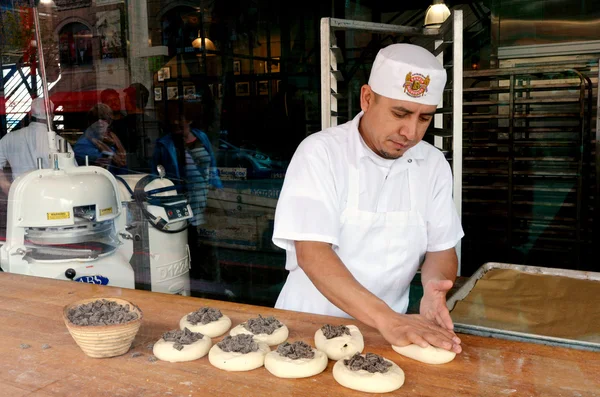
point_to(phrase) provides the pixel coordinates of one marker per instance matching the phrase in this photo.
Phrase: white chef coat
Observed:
(315, 200)
(21, 148)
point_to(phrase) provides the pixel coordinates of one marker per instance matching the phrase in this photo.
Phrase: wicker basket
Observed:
(101, 341)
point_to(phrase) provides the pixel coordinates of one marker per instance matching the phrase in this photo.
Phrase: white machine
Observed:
(80, 223)
(61, 223)
(154, 225)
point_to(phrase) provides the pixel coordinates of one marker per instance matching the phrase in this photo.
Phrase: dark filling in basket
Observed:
(182, 337)
(296, 350)
(332, 331)
(101, 312)
(370, 362)
(243, 343)
(262, 325)
(204, 315)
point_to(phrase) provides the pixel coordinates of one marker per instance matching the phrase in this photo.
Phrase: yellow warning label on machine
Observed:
(106, 211)
(52, 216)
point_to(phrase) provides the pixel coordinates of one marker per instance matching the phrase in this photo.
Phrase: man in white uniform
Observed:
(21, 148)
(364, 204)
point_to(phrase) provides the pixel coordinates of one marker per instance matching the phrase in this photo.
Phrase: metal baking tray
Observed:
(463, 291)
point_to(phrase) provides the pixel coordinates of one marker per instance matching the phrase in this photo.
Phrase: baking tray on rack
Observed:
(479, 330)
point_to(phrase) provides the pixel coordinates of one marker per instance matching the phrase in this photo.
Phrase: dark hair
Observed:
(137, 94)
(107, 93)
(100, 111)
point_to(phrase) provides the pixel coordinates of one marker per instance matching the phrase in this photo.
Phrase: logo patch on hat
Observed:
(415, 84)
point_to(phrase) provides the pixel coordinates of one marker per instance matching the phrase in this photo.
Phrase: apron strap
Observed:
(353, 187)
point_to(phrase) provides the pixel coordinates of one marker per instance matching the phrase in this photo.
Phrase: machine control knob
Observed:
(70, 274)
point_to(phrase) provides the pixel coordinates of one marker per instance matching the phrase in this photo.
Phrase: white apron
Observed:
(382, 251)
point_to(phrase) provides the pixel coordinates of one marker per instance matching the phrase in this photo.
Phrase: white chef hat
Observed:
(409, 73)
(37, 108)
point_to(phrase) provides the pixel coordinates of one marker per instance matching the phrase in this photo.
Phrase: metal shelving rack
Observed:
(528, 172)
(445, 42)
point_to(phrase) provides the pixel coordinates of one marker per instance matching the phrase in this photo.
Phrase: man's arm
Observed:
(331, 277)
(5, 182)
(120, 157)
(441, 265)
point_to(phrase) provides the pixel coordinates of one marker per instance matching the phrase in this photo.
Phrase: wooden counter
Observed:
(31, 313)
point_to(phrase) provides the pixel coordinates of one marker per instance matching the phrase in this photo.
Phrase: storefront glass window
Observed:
(221, 93)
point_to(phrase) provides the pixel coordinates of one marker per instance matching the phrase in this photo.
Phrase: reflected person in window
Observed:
(102, 147)
(139, 130)
(187, 156)
(21, 148)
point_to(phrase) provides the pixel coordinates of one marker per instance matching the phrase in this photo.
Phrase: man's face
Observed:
(390, 127)
(114, 102)
(180, 126)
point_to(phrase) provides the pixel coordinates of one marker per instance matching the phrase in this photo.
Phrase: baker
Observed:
(364, 204)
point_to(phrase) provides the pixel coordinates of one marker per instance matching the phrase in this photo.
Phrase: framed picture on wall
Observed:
(275, 66)
(189, 92)
(263, 88)
(237, 67)
(242, 89)
(172, 93)
(164, 73)
(158, 94)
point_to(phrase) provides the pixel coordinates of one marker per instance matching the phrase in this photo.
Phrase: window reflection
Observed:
(251, 94)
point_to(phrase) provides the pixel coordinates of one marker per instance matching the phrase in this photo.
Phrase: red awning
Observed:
(75, 101)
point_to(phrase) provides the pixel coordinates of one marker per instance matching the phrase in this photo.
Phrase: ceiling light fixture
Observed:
(436, 14)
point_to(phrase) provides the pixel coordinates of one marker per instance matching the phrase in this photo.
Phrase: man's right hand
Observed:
(404, 329)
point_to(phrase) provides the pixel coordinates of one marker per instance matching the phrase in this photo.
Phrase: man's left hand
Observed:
(433, 303)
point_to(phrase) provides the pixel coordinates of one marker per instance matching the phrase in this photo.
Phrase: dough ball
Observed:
(340, 346)
(232, 361)
(278, 336)
(165, 351)
(285, 367)
(365, 381)
(427, 355)
(212, 329)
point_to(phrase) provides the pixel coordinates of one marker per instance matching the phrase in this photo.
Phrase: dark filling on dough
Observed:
(332, 331)
(243, 343)
(296, 350)
(101, 312)
(204, 315)
(182, 337)
(370, 362)
(262, 325)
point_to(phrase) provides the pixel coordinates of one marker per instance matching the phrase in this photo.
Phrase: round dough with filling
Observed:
(212, 329)
(427, 355)
(278, 336)
(233, 361)
(340, 346)
(165, 351)
(365, 381)
(285, 367)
